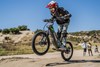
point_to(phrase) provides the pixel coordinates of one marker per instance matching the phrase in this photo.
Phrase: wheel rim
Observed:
(41, 43)
(68, 51)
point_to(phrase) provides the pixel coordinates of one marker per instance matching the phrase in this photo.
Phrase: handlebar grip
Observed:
(46, 20)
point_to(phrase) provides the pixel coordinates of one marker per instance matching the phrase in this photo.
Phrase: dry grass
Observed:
(19, 49)
(26, 48)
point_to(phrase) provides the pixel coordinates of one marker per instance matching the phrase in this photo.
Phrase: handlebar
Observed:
(48, 20)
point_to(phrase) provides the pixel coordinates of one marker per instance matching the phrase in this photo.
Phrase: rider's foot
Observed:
(62, 47)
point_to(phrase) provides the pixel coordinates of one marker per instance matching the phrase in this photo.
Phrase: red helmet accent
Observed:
(52, 4)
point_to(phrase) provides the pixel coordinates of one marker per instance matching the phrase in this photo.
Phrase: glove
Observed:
(48, 20)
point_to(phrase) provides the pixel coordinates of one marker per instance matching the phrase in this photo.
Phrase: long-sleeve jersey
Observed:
(59, 15)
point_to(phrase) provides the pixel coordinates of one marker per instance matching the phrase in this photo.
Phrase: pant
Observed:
(62, 31)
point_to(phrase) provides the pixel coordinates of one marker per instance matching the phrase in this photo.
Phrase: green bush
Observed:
(6, 31)
(14, 30)
(38, 30)
(0, 30)
(91, 33)
(22, 28)
(28, 29)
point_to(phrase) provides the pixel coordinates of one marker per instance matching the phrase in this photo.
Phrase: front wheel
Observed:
(67, 54)
(40, 43)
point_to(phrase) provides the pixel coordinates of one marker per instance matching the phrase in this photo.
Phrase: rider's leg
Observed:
(64, 33)
(60, 27)
(63, 36)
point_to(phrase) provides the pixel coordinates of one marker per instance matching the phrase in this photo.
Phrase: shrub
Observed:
(6, 31)
(28, 29)
(23, 27)
(0, 30)
(38, 30)
(14, 30)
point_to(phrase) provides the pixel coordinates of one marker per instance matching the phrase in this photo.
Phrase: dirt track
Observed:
(51, 60)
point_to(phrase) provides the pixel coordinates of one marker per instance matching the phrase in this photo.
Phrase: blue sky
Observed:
(85, 14)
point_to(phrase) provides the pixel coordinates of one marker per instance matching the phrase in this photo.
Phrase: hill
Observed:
(93, 36)
(16, 43)
(23, 37)
(11, 44)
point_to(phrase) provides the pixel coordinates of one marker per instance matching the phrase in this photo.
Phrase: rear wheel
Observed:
(67, 54)
(40, 43)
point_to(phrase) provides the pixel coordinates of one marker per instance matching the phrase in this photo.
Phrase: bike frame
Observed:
(53, 35)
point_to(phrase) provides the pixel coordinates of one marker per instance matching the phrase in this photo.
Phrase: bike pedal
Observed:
(62, 49)
(57, 49)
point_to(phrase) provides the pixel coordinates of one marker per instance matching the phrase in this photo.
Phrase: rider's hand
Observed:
(48, 20)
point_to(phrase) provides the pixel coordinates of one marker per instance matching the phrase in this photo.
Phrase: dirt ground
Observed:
(50, 60)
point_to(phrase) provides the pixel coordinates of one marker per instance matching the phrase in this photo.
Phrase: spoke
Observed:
(41, 43)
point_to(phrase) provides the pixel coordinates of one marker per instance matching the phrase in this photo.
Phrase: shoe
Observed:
(62, 48)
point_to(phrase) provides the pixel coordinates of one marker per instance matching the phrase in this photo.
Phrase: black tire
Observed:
(63, 52)
(34, 45)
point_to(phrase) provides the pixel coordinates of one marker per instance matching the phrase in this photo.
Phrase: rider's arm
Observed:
(67, 15)
(52, 18)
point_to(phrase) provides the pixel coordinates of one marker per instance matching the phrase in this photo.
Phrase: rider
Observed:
(62, 18)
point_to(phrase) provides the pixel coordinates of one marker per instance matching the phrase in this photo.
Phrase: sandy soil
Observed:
(50, 60)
